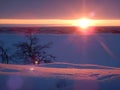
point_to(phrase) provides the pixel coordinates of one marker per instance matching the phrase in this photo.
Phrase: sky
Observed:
(59, 9)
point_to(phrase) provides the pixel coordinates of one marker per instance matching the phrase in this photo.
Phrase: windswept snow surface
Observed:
(101, 49)
(84, 62)
(51, 77)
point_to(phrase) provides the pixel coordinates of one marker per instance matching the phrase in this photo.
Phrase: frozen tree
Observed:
(4, 53)
(30, 51)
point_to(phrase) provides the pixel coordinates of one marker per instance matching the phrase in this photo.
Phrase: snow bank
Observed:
(29, 77)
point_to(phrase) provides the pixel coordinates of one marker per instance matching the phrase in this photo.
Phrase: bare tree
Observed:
(3, 54)
(31, 51)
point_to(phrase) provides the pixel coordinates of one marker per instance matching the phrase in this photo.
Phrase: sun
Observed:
(83, 23)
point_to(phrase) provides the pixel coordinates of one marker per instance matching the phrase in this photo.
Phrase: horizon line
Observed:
(52, 22)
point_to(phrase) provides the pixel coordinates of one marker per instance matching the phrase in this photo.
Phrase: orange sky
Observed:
(58, 22)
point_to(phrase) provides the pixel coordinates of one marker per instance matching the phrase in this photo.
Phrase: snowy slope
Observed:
(101, 49)
(77, 66)
(83, 63)
(28, 77)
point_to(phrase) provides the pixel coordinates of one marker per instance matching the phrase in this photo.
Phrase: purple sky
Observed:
(59, 9)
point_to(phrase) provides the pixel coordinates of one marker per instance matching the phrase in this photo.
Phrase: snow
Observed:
(79, 66)
(83, 63)
(100, 49)
(51, 77)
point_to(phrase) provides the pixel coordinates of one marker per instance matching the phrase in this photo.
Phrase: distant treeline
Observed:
(58, 30)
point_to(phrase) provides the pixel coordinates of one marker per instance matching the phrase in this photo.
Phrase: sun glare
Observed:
(83, 23)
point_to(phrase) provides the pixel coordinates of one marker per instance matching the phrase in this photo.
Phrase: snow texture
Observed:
(30, 77)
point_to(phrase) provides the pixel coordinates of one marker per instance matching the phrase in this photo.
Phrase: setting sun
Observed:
(84, 23)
